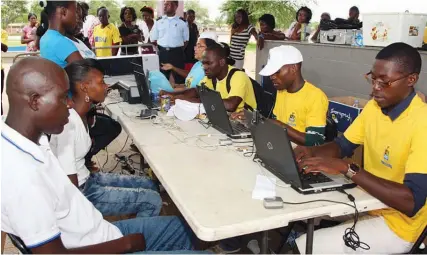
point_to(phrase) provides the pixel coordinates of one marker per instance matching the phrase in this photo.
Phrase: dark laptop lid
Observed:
(143, 89)
(275, 150)
(215, 109)
(120, 66)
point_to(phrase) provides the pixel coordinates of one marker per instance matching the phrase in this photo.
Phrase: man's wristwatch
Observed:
(352, 170)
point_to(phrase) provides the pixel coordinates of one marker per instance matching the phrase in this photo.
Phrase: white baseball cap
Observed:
(280, 56)
(209, 35)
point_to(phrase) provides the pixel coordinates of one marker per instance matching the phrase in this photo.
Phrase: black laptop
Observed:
(217, 114)
(275, 151)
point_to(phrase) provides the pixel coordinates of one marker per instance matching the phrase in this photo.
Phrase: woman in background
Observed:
(240, 34)
(28, 36)
(303, 17)
(267, 24)
(129, 31)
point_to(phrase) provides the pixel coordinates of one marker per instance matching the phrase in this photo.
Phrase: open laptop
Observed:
(142, 84)
(217, 114)
(274, 149)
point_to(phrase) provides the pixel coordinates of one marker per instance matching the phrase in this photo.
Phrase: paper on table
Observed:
(265, 187)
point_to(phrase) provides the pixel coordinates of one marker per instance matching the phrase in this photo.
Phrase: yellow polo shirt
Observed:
(305, 108)
(241, 86)
(104, 37)
(4, 40)
(395, 150)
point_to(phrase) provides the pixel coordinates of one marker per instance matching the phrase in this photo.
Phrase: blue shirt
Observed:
(56, 47)
(170, 32)
(195, 76)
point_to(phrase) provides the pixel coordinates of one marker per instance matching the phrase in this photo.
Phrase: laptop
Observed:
(218, 117)
(144, 92)
(274, 149)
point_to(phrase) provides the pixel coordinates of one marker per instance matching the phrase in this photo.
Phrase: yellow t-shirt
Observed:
(425, 35)
(306, 108)
(4, 40)
(104, 37)
(241, 86)
(394, 149)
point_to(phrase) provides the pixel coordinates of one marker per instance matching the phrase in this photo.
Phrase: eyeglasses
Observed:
(381, 84)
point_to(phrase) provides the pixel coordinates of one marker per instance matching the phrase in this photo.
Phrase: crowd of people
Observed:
(57, 198)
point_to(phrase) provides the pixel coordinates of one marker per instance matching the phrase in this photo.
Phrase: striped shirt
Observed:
(239, 41)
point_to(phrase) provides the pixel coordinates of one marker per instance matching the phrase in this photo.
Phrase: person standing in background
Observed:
(4, 48)
(28, 36)
(129, 31)
(171, 35)
(353, 15)
(267, 24)
(324, 17)
(303, 17)
(147, 22)
(194, 35)
(240, 34)
(106, 34)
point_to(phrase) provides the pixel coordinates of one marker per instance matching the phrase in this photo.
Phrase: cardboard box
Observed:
(343, 112)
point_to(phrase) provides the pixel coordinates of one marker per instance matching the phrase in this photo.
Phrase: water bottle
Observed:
(303, 32)
(356, 103)
(359, 39)
(253, 246)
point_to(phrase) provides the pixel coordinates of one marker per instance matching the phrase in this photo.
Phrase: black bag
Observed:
(261, 96)
(331, 129)
(339, 23)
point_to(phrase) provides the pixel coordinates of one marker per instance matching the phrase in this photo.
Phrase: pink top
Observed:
(30, 33)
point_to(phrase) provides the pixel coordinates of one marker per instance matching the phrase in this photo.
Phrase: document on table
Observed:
(265, 187)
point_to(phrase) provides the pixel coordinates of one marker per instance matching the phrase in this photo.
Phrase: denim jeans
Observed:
(115, 194)
(163, 234)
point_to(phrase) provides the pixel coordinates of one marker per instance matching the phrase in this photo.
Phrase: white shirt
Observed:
(88, 24)
(145, 31)
(85, 52)
(170, 32)
(71, 147)
(292, 28)
(38, 201)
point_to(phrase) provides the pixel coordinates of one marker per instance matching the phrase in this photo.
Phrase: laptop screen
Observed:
(143, 88)
(274, 149)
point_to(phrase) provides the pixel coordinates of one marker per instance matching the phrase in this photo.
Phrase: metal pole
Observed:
(309, 240)
(264, 242)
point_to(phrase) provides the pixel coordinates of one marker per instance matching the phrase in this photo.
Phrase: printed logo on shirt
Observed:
(292, 120)
(188, 82)
(386, 158)
(100, 39)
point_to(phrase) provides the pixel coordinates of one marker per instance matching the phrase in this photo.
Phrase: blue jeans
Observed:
(115, 194)
(163, 234)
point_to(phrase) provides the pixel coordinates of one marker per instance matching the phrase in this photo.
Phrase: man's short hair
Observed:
(354, 8)
(191, 11)
(403, 54)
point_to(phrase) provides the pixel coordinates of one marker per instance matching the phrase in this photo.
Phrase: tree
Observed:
(112, 6)
(284, 11)
(202, 13)
(36, 9)
(220, 21)
(12, 11)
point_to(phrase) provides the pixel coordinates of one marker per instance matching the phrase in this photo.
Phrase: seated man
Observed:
(300, 106)
(392, 127)
(217, 69)
(42, 206)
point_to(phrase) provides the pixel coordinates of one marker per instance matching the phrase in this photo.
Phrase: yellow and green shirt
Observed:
(241, 86)
(4, 40)
(305, 111)
(395, 145)
(104, 37)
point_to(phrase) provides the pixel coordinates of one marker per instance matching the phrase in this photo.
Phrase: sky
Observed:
(339, 8)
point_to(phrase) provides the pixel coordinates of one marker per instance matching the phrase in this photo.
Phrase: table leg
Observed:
(309, 240)
(264, 242)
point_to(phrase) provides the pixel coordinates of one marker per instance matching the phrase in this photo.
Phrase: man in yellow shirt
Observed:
(300, 107)
(4, 48)
(106, 34)
(217, 70)
(392, 127)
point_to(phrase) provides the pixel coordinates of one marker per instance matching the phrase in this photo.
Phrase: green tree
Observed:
(220, 21)
(283, 10)
(35, 8)
(13, 11)
(202, 13)
(112, 6)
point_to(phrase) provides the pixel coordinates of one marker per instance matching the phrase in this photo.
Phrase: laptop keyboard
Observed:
(238, 127)
(311, 178)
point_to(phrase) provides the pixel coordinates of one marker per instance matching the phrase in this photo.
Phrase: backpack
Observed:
(261, 96)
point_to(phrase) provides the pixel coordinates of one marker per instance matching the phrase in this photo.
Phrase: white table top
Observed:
(212, 187)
